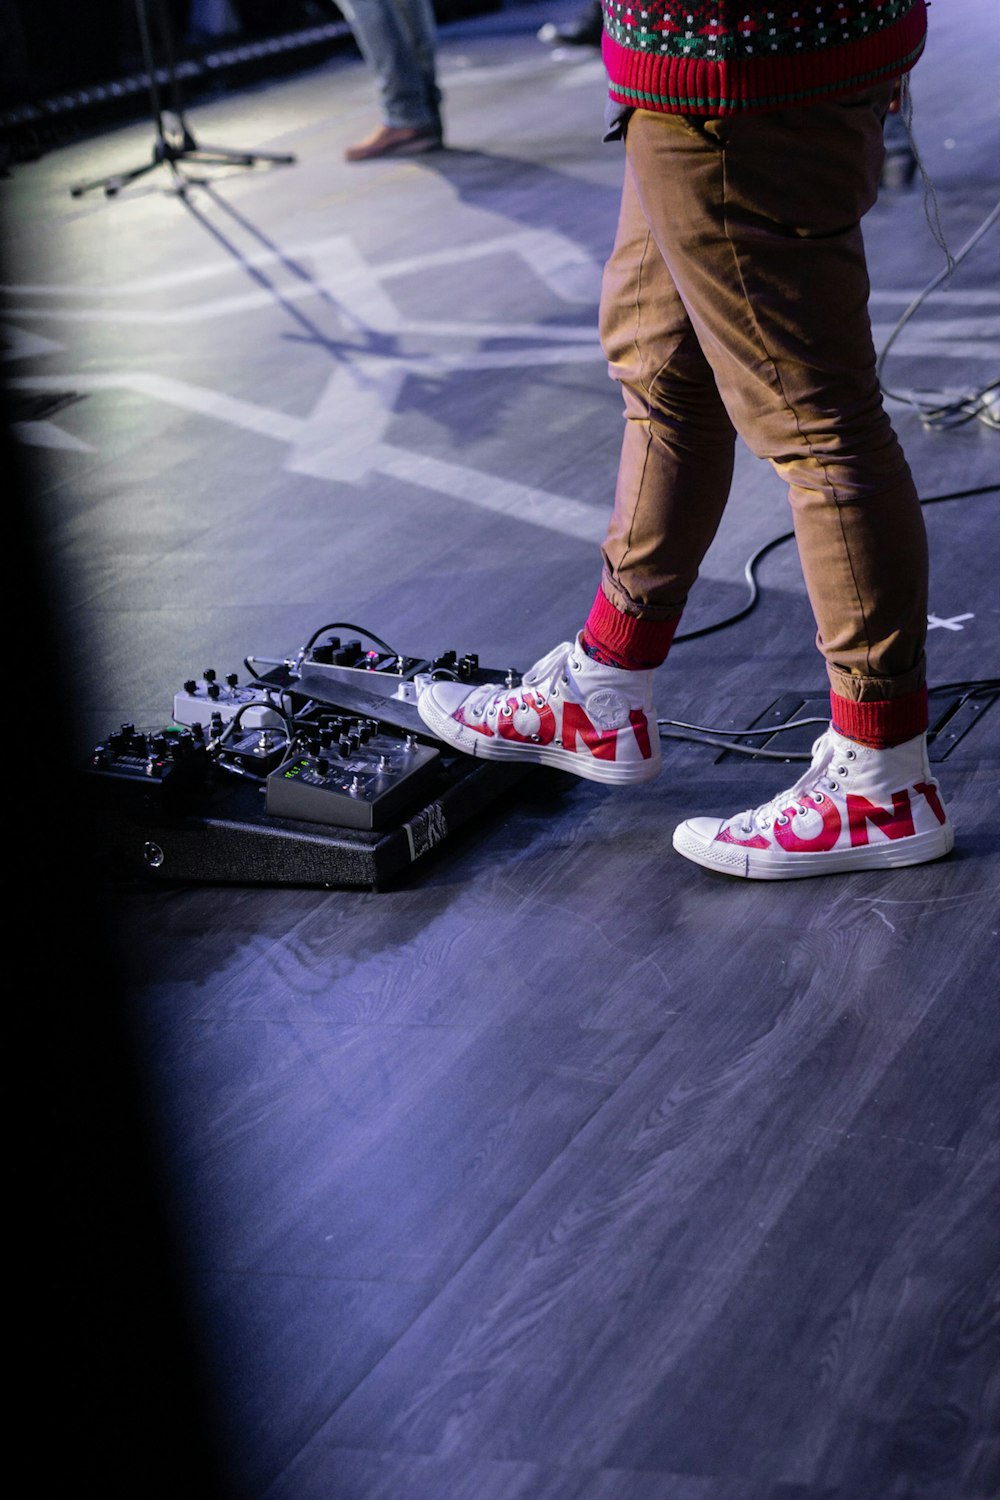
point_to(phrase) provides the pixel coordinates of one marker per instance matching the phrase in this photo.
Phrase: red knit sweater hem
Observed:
(699, 86)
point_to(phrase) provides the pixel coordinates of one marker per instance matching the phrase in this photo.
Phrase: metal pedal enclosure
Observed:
(367, 788)
(205, 696)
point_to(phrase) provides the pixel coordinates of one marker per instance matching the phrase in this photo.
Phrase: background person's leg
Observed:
(396, 39)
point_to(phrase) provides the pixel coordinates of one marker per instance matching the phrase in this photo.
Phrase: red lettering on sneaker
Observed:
(481, 728)
(821, 842)
(897, 824)
(640, 727)
(600, 744)
(930, 793)
(546, 732)
(728, 837)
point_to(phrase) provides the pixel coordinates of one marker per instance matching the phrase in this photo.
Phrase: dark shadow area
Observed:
(106, 1327)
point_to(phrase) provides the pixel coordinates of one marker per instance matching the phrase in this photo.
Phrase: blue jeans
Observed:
(396, 38)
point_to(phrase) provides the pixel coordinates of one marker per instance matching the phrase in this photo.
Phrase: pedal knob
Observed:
(214, 691)
(232, 680)
(209, 674)
(190, 687)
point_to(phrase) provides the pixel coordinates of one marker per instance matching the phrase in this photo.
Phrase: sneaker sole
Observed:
(752, 864)
(444, 728)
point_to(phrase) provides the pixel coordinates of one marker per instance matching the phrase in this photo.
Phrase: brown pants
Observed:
(736, 300)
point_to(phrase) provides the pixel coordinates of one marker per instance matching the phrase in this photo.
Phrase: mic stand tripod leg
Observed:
(165, 150)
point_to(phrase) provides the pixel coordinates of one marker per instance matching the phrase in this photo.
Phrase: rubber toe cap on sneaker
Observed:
(696, 840)
(445, 696)
(705, 830)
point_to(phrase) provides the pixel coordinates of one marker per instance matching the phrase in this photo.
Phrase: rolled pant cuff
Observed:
(882, 723)
(628, 641)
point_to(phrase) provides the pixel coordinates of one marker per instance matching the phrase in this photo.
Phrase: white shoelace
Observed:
(544, 680)
(816, 781)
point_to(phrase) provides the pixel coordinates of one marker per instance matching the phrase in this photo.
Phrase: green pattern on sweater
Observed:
(723, 30)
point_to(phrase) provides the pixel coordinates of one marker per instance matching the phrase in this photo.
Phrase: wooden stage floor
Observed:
(563, 1170)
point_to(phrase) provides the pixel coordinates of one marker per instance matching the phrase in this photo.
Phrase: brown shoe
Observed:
(396, 140)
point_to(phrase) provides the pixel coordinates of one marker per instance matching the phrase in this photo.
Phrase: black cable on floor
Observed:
(750, 567)
(964, 408)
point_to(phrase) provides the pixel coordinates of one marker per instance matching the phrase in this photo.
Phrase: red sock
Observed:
(627, 641)
(882, 724)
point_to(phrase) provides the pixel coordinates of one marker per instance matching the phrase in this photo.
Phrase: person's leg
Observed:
(396, 39)
(416, 20)
(757, 219)
(676, 461)
(777, 298)
(587, 706)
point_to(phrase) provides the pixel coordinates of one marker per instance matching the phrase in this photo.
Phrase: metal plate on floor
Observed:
(952, 715)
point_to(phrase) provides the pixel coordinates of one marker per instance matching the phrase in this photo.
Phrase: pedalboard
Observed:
(316, 771)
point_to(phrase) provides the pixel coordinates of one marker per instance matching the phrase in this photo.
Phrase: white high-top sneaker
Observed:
(569, 711)
(854, 809)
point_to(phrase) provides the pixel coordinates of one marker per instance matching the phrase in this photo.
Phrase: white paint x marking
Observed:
(934, 623)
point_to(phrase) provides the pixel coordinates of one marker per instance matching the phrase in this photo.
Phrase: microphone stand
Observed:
(179, 145)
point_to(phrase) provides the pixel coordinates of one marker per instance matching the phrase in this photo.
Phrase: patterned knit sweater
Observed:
(718, 57)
